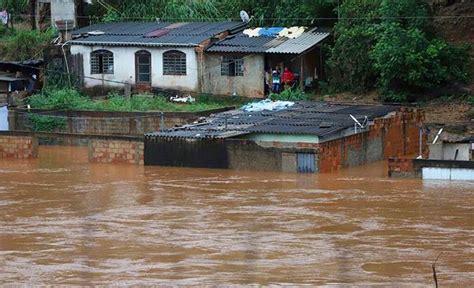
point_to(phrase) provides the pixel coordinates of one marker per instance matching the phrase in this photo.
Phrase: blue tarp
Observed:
(271, 32)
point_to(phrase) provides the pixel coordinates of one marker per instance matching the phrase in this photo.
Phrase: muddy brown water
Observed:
(64, 221)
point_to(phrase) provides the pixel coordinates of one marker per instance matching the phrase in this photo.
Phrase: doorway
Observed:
(143, 68)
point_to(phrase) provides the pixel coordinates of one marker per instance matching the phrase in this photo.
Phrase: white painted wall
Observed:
(448, 173)
(447, 151)
(124, 68)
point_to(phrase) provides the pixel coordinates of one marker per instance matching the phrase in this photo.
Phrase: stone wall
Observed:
(108, 123)
(18, 146)
(117, 151)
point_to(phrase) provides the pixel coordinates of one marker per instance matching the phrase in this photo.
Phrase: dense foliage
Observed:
(15, 6)
(391, 45)
(23, 45)
(280, 12)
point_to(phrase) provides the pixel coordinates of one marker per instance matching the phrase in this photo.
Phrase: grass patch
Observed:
(70, 99)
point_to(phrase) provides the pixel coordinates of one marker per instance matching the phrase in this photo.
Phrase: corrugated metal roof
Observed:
(300, 44)
(313, 118)
(242, 43)
(149, 33)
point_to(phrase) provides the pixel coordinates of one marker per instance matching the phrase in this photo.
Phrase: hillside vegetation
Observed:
(390, 46)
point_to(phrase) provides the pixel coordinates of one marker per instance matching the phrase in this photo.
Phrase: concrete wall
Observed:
(18, 146)
(267, 156)
(249, 155)
(60, 10)
(116, 151)
(447, 151)
(249, 85)
(108, 123)
(124, 68)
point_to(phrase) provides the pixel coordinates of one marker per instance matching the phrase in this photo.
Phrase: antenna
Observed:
(244, 16)
(357, 123)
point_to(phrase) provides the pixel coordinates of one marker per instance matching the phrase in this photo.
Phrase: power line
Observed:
(265, 18)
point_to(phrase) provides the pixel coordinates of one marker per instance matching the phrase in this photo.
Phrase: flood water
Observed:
(64, 221)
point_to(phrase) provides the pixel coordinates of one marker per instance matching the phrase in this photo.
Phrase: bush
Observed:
(24, 45)
(46, 123)
(290, 95)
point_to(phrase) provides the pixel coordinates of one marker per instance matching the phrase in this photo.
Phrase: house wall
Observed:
(124, 68)
(249, 85)
(447, 151)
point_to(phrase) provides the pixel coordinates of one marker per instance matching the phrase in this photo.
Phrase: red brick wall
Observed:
(19, 147)
(116, 151)
(399, 135)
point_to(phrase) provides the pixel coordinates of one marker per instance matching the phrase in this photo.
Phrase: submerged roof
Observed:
(242, 43)
(152, 33)
(309, 118)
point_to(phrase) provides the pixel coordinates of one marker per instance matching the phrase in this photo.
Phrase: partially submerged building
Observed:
(198, 57)
(304, 137)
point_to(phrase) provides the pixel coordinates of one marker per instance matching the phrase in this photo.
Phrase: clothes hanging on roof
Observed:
(252, 32)
(292, 32)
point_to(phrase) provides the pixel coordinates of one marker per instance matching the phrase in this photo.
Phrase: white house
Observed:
(147, 54)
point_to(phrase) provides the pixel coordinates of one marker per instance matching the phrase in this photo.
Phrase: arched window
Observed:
(143, 66)
(174, 63)
(102, 62)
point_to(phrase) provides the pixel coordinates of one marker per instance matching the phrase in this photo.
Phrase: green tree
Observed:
(391, 45)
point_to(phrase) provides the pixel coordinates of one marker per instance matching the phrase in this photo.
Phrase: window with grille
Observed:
(102, 62)
(232, 66)
(174, 63)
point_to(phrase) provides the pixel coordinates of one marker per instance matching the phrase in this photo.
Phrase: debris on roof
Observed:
(268, 105)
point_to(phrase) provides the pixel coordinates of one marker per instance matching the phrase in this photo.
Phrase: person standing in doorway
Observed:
(276, 80)
(288, 78)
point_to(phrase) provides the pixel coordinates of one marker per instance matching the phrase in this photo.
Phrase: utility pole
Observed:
(33, 14)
